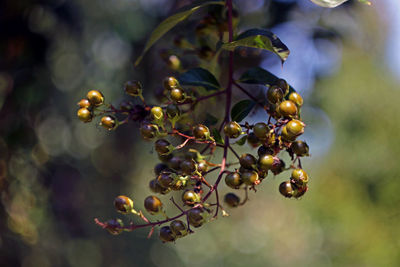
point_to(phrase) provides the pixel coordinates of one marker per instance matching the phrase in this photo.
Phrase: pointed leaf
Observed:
(199, 77)
(217, 137)
(259, 75)
(170, 22)
(260, 38)
(242, 109)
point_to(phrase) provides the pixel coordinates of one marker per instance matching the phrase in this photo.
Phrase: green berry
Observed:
(189, 197)
(281, 83)
(233, 180)
(295, 127)
(108, 122)
(170, 83)
(232, 129)
(178, 228)
(300, 148)
(300, 177)
(296, 98)
(156, 113)
(266, 162)
(286, 189)
(287, 109)
(249, 177)
(274, 94)
(261, 130)
(247, 161)
(177, 95)
(232, 200)
(201, 132)
(123, 204)
(84, 115)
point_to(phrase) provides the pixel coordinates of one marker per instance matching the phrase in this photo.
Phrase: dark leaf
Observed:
(170, 22)
(199, 77)
(217, 137)
(242, 109)
(259, 75)
(262, 39)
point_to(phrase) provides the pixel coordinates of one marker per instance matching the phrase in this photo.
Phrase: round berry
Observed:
(232, 200)
(95, 98)
(156, 113)
(123, 204)
(286, 136)
(249, 177)
(188, 166)
(162, 146)
(157, 188)
(233, 180)
(262, 150)
(287, 109)
(286, 189)
(232, 129)
(159, 168)
(295, 127)
(201, 132)
(165, 179)
(177, 95)
(247, 161)
(300, 177)
(84, 115)
(114, 226)
(278, 167)
(148, 131)
(261, 130)
(296, 98)
(202, 166)
(166, 234)
(274, 94)
(172, 111)
(281, 83)
(175, 162)
(153, 204)
(189, 197)
(266, 162)
(253, 140)
(84, 103)
(170, 83)
(108, 122)
(178, 228)
(133, 88)
(196, 217)
(300, 148)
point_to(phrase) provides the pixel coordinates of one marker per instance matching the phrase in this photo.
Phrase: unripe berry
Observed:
(253, 140)
(189, 197)
(178, 228)
(188, 166)
(232, 200)
(196, 217)
(177, 95)
(266, 162)
(157, 188)
(156, 113)
(261, 130)
(278, 167)
(133, 88)
(201, 132)
(287, 109)
(295, 127)
(170, 83)
(286, 189)
(148, 131)
(165, 179)
(84, 115)
(108, 122)
(84, 103)
(114, 226)
(296, 98)
(153, 204)
(300, 148)
(123, 204)
(247, 161)
(233, 180)
(281, 83)
(232, 129)
(162, 146)
(202, 166)
(95, 98)
(274, 94)
(166, 234)
(286, 136)
(249, 177)
(262, 150)
(172, 111)
(300, 177)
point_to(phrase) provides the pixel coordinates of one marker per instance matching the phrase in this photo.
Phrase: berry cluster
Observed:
(186, 147)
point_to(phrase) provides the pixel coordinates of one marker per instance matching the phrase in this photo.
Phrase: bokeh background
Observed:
(57, 174)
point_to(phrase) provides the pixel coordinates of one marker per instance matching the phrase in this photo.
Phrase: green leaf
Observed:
(259, 75)
(241, 141)
(262, 39)
(217, 137)
(199, 77)
(242, 109)
(170, 22)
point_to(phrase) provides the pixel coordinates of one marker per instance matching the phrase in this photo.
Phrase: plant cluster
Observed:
(186, 147)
